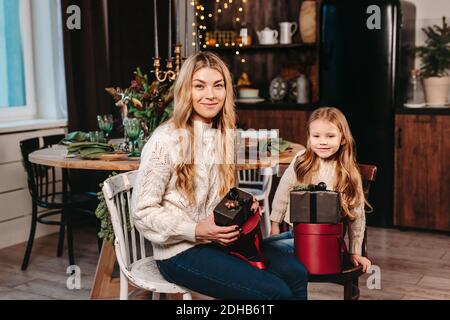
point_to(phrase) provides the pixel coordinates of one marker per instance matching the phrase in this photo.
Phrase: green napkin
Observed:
(274, 146)
(90, 149)
(76, 136)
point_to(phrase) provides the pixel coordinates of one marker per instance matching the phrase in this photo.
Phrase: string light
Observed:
(236, 8)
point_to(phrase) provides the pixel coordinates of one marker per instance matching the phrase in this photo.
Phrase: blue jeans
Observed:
(209, 269)
(283, 242)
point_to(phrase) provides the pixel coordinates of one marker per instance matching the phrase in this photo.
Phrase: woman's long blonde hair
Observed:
(224, 122)
(347, 177)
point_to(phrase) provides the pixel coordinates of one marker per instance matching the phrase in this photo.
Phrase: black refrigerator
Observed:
(365, 58)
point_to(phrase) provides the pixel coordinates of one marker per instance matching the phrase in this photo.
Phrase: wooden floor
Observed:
(414, 265)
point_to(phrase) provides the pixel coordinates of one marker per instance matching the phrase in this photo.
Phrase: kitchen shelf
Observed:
(264, 47)
(269, 105)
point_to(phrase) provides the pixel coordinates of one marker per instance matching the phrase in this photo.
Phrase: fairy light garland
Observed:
(222, 7)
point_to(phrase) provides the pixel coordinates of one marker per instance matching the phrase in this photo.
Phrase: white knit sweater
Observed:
(161, 213)
(326, 173)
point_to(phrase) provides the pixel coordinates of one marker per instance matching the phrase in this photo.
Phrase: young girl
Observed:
(329, 157)
(178, 187)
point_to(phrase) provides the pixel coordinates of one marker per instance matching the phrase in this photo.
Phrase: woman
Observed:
(187, 167)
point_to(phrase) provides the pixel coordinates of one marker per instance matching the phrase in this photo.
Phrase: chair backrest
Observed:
(41, 179)
(51, 140)
(118, 191)
(368, 176)
(257, 177)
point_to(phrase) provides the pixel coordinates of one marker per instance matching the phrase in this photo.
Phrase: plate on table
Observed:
(249, 100)
(414, 105)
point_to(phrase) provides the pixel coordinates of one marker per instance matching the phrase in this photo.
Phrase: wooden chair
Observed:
(350, 275)
(135, 266)
(258, 182)
(42, 185)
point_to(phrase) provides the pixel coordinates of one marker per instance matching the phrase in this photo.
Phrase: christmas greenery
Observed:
(436, 54)
(106, 228)
(152, 102)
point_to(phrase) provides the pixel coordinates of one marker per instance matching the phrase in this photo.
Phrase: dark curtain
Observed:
(87, 70)
(126, 38)
(131, 37)
(116, 36)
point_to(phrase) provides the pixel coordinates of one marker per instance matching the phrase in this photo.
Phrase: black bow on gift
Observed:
(235, 208)
(321, 186)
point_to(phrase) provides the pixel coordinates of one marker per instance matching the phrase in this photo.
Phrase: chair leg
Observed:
(123, 286)
(187, 296)
(67, 217)
(62, 230)
(355, 289)
(26, 258)
(266, 217)
(348, 290)
(156, 296)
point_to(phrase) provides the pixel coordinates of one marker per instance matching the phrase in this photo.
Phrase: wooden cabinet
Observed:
(422, 171)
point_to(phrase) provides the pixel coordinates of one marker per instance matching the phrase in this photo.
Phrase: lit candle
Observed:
(169, 53)
(156, 30)
(177, 22)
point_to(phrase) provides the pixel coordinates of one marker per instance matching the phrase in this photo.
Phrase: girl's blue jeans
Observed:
(209, 269)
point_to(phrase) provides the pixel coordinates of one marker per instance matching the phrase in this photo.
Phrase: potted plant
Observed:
(435, 63)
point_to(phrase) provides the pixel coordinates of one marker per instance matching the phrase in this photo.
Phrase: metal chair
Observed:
(350, 274)
(135, 266)
(42, 185)
(258, 182)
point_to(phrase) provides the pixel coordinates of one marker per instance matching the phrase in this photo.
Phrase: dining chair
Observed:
(258, 182)
(43, 184)
(136, 266)
(349, 277)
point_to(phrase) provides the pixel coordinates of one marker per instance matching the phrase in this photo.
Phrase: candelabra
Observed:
(169, 73)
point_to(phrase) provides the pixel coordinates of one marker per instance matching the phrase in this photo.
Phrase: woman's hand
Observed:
(360, 260)
(208, 230)
(275, 228)
(255, 206)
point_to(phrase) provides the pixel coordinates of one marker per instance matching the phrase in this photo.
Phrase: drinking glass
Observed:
(105, 124)
(133, 130)
(96, 136)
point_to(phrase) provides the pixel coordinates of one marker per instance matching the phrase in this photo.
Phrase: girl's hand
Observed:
(255, 206)
(275, 228)
(360, 260)
(208, 230)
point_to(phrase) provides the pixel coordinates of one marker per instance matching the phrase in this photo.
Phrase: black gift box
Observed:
(234, 209)
(315, 205)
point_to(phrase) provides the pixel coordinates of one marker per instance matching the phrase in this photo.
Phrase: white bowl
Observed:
(248, 93)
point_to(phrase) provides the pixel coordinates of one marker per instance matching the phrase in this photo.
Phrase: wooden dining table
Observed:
(106, 286)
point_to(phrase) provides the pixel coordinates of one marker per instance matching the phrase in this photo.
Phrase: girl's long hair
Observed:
(224, 122)
(347, 175)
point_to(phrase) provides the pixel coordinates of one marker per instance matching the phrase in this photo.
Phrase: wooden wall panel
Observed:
(290, 123)
(15, 200)
(9, 143)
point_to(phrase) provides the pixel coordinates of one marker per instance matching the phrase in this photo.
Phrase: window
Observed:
(17, 99)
